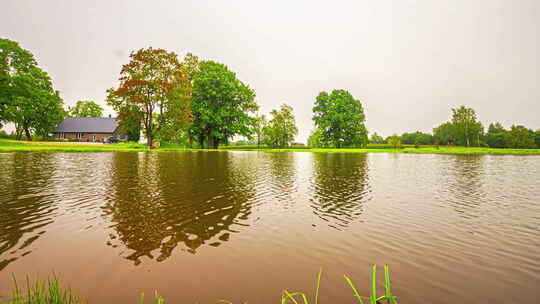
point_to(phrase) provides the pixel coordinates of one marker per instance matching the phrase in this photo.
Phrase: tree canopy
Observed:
(417, 138)
(444, 133)
(376, 139)
(340, 118)
(520, 137)
(315, 139)
(496, 136)
(394, 141)
(27, 97)
(466, 128)
(258, 128)
(85, 108)
(222, 105)
(155, 90)
(281, 129)
(463, 129)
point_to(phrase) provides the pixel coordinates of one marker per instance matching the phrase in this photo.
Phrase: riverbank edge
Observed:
(9, 146)
(442, 150)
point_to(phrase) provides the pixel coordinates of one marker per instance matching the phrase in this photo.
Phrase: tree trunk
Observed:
(149, 141)
(27, 133)
(213, 141)
(201, 140)
(467, 134)
(18, 132)
(210, 140)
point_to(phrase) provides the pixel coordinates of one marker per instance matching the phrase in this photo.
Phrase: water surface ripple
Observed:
(242, 226)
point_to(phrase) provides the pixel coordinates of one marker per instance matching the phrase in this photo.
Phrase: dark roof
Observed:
(87, 125)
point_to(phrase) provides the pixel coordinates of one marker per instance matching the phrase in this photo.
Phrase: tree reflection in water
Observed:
(280, 176)
(340, 187)
(26, 206)
(159, 201)
(464, 189)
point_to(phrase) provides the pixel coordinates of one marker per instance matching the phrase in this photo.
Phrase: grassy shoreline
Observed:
(7, 145)
(421, 150)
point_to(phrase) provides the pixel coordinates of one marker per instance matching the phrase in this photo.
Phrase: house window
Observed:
(80, 135)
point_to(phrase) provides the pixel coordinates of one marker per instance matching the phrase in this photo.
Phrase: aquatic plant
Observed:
(51, 292)
(157, 299)
(43, 292)
(388, 298)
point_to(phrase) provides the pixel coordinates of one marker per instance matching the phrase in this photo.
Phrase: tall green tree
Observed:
(85, 108)
(394, 141)
(496, 136)
(281, 128)
(444, 133)
(376, 139)
(258, 128)
(155, 90)
(341, 118)
(27, 97)
(222, 105)
(190, 67)
(537, 138)
(520, 137)
(467, 129)
(131, 123)
(14, 61)
(316, 138)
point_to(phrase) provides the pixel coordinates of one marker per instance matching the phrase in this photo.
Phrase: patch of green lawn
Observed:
(7, 145)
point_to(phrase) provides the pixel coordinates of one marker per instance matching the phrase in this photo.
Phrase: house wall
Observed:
(86, 137)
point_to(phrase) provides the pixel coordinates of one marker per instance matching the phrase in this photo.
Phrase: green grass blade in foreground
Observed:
(373, 297)
(356, 293)
(52, 292)
(318, 286)
(158, 299)
(287, 295)
(390, 299)
(43, 292)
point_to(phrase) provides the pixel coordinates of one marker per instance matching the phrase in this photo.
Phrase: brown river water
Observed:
(242, 226)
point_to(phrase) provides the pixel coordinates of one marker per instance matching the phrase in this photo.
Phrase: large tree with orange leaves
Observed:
(154, 90)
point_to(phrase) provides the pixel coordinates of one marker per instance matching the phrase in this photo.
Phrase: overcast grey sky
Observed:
(409, 62)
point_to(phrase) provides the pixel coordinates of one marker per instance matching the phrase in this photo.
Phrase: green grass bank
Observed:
(7, 145)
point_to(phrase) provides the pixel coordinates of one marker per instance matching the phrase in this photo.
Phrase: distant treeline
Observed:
(464, 130)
